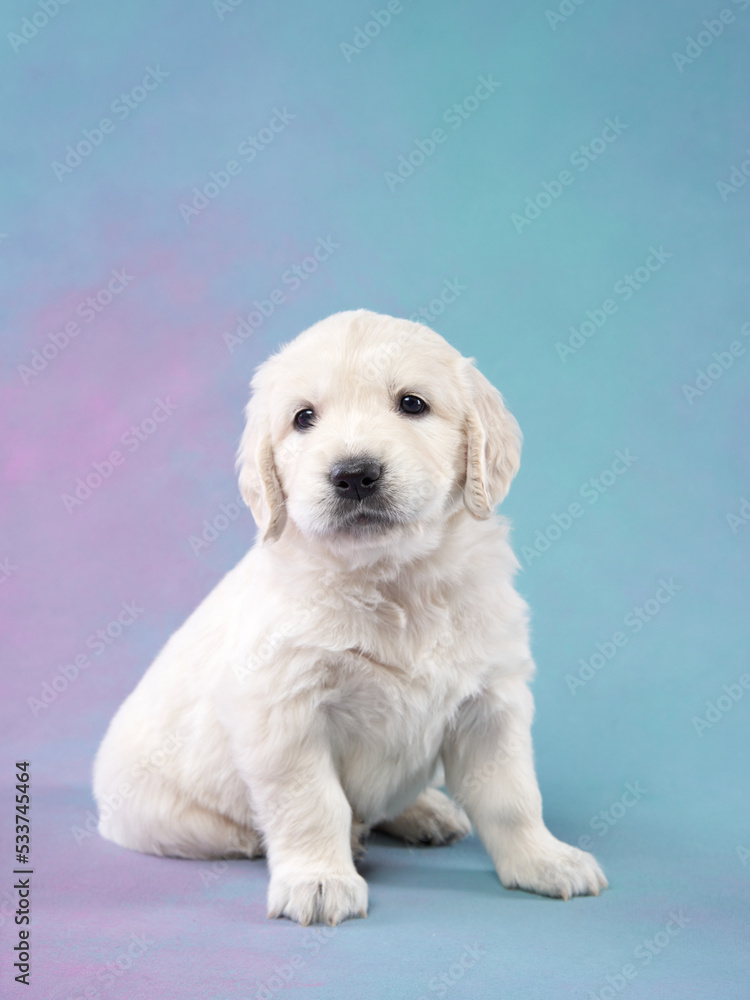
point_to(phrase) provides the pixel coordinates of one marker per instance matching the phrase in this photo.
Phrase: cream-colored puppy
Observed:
(369, 644)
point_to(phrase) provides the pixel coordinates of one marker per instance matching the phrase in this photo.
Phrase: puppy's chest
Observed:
(394, 644)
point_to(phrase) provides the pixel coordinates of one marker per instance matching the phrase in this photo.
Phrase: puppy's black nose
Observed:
(355, 479)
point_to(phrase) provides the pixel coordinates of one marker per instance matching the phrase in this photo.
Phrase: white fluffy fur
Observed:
(334, 676)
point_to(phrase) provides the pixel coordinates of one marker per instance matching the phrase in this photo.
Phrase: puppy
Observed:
(369, 647)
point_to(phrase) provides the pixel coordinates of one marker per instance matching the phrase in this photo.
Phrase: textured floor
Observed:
(439, 925)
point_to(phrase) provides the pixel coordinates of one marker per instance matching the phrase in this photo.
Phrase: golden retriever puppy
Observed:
(369, 646)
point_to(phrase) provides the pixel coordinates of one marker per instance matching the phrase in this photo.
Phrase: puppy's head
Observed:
(371, 429)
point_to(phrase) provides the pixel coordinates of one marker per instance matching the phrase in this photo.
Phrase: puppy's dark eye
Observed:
(304, 419)
(412, 404)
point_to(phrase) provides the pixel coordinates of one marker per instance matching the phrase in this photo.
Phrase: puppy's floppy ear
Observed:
(258, 478)
(493, 446)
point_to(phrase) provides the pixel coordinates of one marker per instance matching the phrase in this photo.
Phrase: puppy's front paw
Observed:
(552, 868)
(324, 898)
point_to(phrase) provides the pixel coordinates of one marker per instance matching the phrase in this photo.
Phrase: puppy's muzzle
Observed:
(356, 479)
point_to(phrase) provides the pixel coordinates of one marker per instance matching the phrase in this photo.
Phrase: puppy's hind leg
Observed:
(433, 819)
(158, 819)
(360, 832)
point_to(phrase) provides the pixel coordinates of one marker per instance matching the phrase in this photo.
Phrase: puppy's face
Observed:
(368, 428)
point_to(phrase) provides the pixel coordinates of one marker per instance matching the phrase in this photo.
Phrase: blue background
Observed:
(683, 845)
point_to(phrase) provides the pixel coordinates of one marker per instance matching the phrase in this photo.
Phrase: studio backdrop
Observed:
(559, 189)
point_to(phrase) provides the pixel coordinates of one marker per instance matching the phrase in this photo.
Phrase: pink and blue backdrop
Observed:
(169, 171)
